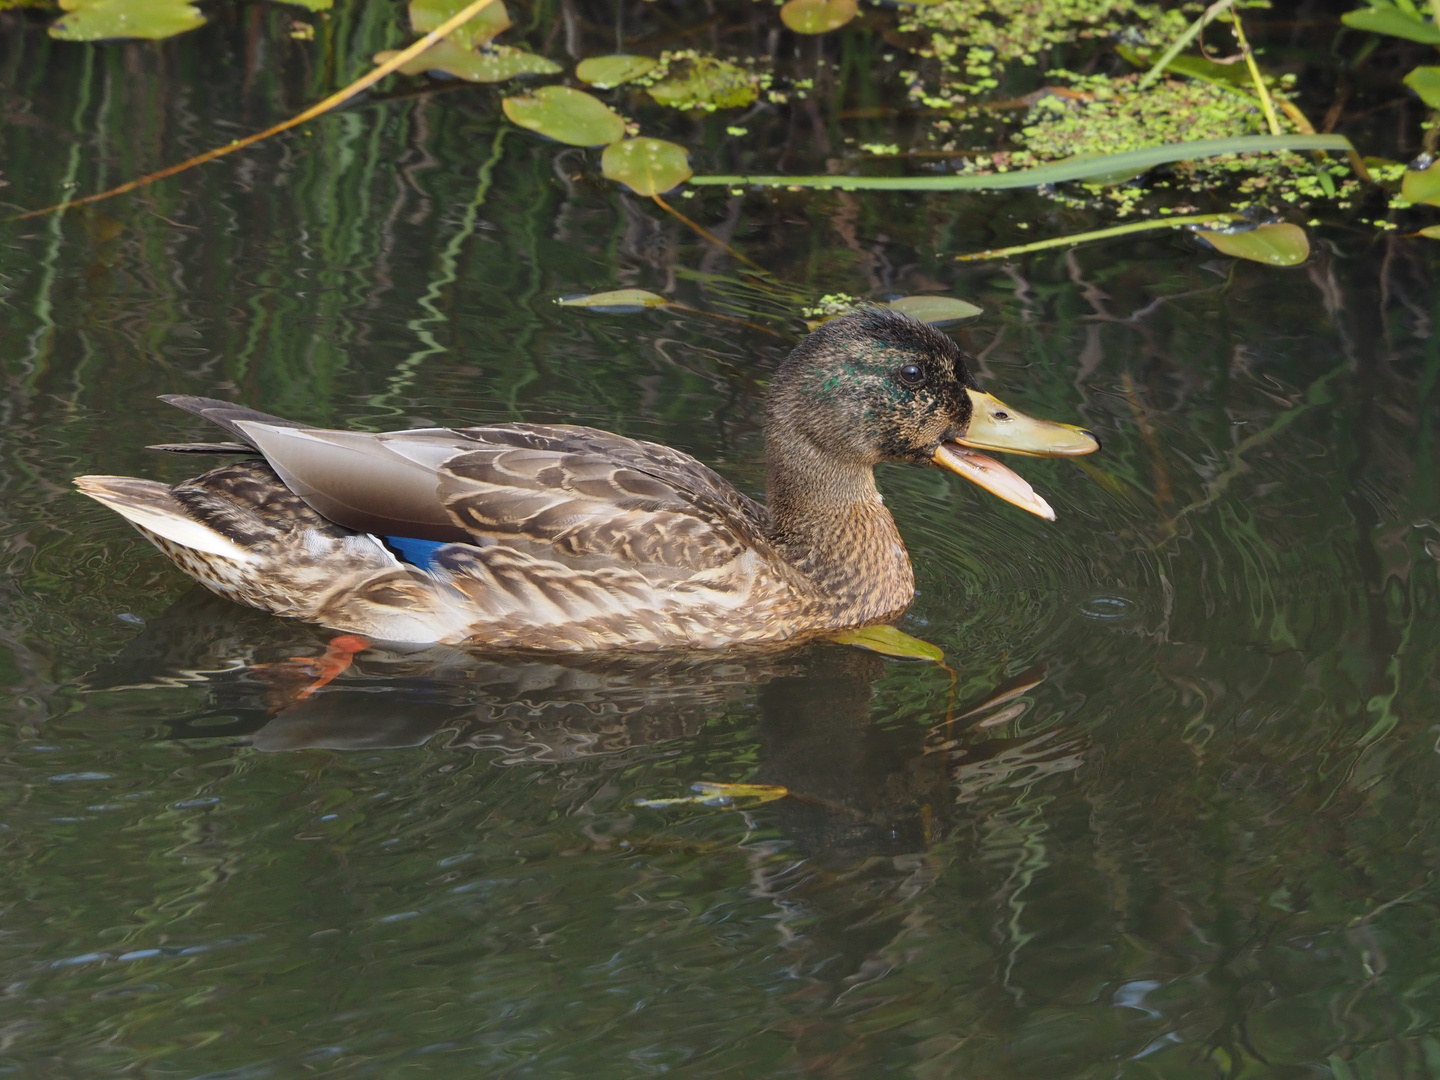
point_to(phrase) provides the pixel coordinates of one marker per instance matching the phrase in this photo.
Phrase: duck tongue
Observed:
(993, 477)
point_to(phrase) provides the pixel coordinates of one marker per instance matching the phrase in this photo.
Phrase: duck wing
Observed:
(581, 496)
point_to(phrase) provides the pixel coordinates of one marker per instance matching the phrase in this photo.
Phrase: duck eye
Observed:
(912, 374)
(1001, 414)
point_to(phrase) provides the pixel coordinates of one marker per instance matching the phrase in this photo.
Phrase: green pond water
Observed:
(1176, 815)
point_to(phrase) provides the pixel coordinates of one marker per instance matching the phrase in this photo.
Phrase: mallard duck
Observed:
(551, 536)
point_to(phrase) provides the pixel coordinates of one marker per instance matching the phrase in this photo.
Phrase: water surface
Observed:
(1175, 815)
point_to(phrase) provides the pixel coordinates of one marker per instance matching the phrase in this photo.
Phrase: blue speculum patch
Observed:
(419, 553)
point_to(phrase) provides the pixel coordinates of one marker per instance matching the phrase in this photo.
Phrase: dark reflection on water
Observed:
(1174, 816)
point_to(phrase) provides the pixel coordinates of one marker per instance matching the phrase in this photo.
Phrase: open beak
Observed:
(996, 426)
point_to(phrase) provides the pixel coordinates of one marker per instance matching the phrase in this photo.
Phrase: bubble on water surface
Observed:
(1108, 607)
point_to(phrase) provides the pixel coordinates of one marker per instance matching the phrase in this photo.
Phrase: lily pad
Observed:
(426, 15)
(566, 115)
(708, 84)
(102, 19)
(817, 16)
(608, 71)
(1275, 245)
(707, 794)
(618, 302)
(1425, 81)
(1391, 20)
(890, 642)
(646, 166)
(495, 64)
(934, 309)
(1421, 185)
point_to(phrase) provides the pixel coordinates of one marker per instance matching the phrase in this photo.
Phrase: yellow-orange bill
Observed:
(996, 426)
(993, 477)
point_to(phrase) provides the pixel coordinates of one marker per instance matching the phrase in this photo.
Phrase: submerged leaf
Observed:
(566, 115)
(1392, 21)
(817, 16)
(1275, 245)
(707, 84)
(495, 64)
(1425, 81)
(708, 794)
(889, 641)
(619, 302)
(608, 71)
(934, 309)
(103, 19)
(426, 15)
(1421, 185)
(646, 166)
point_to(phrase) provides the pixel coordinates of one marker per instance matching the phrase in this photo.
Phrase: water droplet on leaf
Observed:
(646, 166)
(566, 115)
(1280, 244)
(103, 19)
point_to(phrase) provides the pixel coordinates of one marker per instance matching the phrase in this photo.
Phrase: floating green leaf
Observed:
(707, 84)
(934, 309)
(566, 115)
(1058, 172)
(97, 20)
(1430, 231)
(426, 15)
(494, 64)
(618, 302)
(1280, 244)
(1391, 20)
(817, 16)
(890, 642)
(646, 166)
(1421, 185)
(1425, 81)
(608, 71)
(310, 5)
(707, 794)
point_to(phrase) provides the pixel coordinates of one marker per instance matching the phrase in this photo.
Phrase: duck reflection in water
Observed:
(855, 786)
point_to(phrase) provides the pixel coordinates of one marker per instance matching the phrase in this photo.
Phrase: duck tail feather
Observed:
(224, 413)
(204, 448)
(152, 507)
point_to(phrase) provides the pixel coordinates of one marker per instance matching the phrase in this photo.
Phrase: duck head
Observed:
(875, 385)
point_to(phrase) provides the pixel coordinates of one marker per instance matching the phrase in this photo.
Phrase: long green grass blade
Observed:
(1076, 168)
(1099, 234)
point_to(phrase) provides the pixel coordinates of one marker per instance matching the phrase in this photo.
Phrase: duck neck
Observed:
(829, 521)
